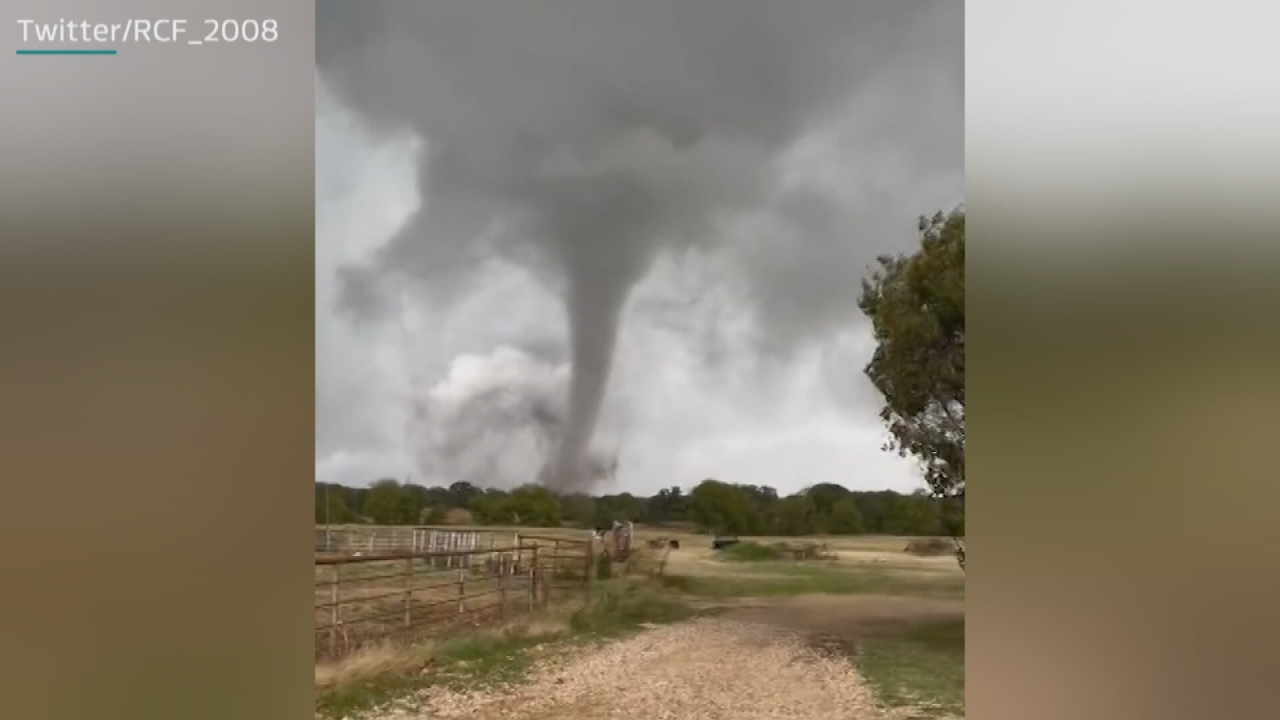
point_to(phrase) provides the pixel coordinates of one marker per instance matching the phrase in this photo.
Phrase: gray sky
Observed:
(699, 192)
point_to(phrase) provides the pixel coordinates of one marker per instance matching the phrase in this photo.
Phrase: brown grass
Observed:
(371, 661)
(399, 656)
(807, 551)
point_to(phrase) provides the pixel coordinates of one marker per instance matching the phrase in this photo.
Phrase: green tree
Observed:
(669, 504)
(533, 505)
(331, 505)
(825, 496)
(951, 519)
(713, 505)
(722, 508)
(387, 503)
(487, 508)
(623, 507)
(795, 515)
(916, 307)
(460, 494)
(916, 514)
(874, 507)
(845, 518)
(578, 509)
(761, 497)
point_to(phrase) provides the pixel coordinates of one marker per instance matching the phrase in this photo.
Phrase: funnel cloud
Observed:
(583, 140)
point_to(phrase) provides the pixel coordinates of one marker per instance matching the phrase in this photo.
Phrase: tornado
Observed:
(582, 138)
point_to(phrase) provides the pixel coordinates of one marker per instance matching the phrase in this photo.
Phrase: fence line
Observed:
(360, 599)
(371, 540)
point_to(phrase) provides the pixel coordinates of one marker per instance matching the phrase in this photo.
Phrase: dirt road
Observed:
(758, 661)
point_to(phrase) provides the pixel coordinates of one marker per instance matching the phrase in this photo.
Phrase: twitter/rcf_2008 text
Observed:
(137, 30)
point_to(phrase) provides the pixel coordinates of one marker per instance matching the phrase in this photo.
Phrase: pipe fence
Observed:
(361, 599)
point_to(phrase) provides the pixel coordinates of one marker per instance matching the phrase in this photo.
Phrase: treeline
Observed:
(712, 506)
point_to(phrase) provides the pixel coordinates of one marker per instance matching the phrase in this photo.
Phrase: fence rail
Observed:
(360, 599)
(377, 540)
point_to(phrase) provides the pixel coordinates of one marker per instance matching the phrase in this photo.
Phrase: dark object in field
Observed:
(723, 542)
(675, 544)
(655, 543)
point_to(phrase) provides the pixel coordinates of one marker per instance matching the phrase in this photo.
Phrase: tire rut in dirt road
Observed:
(706, 669)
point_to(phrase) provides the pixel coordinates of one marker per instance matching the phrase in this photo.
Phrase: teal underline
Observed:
(66, 52)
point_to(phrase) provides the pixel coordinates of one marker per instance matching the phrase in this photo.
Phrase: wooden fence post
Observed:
(408, 592)
(462, 591)
(335, 614)
(502, 590)
(588, 580)
(533, 577)
(554, 566)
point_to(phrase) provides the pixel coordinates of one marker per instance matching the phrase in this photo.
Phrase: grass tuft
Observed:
(751, 551)
(377, 675)
(615, 611)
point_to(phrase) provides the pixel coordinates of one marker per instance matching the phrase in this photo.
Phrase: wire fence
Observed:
(385, 539)
(361, 599)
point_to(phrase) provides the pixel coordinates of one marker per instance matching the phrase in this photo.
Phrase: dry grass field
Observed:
(863, 630)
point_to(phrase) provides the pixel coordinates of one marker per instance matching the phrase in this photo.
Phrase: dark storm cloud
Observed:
(582, 137)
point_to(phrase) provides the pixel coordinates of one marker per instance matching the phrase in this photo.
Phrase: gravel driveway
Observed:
(707, 669)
